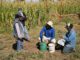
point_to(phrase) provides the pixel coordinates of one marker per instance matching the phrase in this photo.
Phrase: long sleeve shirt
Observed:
(71, 38)
(48, 33)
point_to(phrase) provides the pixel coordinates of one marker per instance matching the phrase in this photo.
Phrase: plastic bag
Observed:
(61, 42)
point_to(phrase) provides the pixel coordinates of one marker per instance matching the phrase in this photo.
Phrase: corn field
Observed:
(37, 13)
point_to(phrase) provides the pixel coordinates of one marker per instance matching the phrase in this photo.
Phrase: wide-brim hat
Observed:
(50, 23)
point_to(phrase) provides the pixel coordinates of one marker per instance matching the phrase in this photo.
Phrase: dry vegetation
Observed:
(38, 14)
(30, 51)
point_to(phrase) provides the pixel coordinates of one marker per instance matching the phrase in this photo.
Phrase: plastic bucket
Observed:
(43, 46)
(51, 47)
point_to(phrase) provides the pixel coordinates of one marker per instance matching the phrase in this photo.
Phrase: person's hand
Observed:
(41, 40)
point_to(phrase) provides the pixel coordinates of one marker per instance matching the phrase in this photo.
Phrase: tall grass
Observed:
(37, 13)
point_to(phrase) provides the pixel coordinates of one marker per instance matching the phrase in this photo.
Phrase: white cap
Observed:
(68, 24)
(50, 23)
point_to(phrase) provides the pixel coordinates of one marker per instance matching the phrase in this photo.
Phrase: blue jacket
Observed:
(71, 38)
(48, 33)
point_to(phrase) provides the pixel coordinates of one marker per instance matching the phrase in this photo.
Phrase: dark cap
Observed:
(69, 25)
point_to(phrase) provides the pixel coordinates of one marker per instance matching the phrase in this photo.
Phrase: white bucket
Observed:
(51, 47)
(53, 41)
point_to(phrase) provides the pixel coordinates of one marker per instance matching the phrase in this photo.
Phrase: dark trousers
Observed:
(64, 49)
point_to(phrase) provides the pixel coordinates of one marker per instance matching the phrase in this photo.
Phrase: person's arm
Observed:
(65, 38)
(70, 38)
(41, 33)
(52, 34)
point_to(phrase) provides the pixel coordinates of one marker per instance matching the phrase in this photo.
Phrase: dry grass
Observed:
(30, 51)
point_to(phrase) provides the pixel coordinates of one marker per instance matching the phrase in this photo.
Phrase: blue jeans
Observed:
(19, 44)
(68, 49)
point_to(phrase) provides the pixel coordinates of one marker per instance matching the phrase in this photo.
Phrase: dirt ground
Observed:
(30, 51)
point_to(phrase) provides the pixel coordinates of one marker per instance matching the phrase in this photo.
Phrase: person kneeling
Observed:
(69, 40)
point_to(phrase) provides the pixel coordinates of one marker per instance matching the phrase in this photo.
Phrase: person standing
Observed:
(20, 31)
